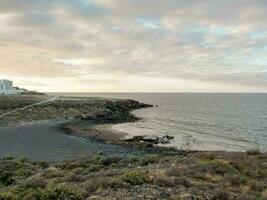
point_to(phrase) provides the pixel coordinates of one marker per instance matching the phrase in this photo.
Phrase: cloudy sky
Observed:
(135, 45)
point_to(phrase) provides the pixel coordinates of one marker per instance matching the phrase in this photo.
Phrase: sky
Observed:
(134, 45)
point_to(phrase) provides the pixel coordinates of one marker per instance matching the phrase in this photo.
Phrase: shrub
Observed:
(33, 195)
(34, 183)
(236, 180)
(53, 173)
(6, 178)
(54, 182)
(264, 194)
(104, 182)
(221, 195)
(244, 197)
(257, 185)
(110, 160)
(149, 158)
(135, 178)
(9, 196)
(72, 177)
(92, 168)
(183, 181)
(90, 186)
(63, 192)
(18, 193)
(173, 171)
(42, 164)
(253, 152)
(164, 181)
(23, 172)
(23, 159)
(7, 157)
(208, 156)
(133, 159)
(217, 166)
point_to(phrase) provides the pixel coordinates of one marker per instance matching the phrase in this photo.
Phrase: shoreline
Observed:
(91, 162)
(96, 125)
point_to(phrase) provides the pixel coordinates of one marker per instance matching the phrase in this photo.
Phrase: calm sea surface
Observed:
(231, 122)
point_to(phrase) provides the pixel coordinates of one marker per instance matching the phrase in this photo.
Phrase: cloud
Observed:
(80, 61)
(206, 41)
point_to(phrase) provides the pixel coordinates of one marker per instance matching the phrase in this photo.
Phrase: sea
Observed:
(199, 121)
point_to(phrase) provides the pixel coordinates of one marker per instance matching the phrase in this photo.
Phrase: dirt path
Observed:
(29, 106)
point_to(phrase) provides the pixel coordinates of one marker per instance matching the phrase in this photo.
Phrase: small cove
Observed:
(45, 141)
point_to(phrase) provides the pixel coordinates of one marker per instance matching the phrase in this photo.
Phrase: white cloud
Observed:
(204, 42)
(81, 61)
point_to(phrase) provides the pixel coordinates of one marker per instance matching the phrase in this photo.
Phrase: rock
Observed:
(150, 140)
(135, 139)
(168, 137)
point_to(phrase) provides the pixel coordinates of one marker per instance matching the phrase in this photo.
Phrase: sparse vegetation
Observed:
(253, 152)
(91, 109)
(149, 159)
(135, 178)
(217, 175)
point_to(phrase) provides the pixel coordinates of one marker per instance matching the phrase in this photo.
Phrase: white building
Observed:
(6, 87)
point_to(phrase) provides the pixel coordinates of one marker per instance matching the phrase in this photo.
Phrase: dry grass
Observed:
(198, 175)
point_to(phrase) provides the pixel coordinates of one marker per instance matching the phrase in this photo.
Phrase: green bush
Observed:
(63, 192)
(18, 193)
(9, 196)
(24, 172)
(135, 178)
(149, 158)
(42, 164)
(6, 178)
(34, 183)
(7, 157)
(102, 183)
(31, 194)
(257, 185)
(110, 160)
(93, 168)
(216, 166)
(23, 159)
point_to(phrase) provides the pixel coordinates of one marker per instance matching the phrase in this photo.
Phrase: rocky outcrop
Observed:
(92, 110)
(151, 140)
(115, 112)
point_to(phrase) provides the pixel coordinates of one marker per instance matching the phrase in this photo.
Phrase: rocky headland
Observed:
(92, 110)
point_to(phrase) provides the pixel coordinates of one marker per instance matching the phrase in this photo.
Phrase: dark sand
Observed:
(47, 142)
(96, 132)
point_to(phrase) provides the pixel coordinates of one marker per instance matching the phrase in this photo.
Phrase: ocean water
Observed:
(200, 121)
